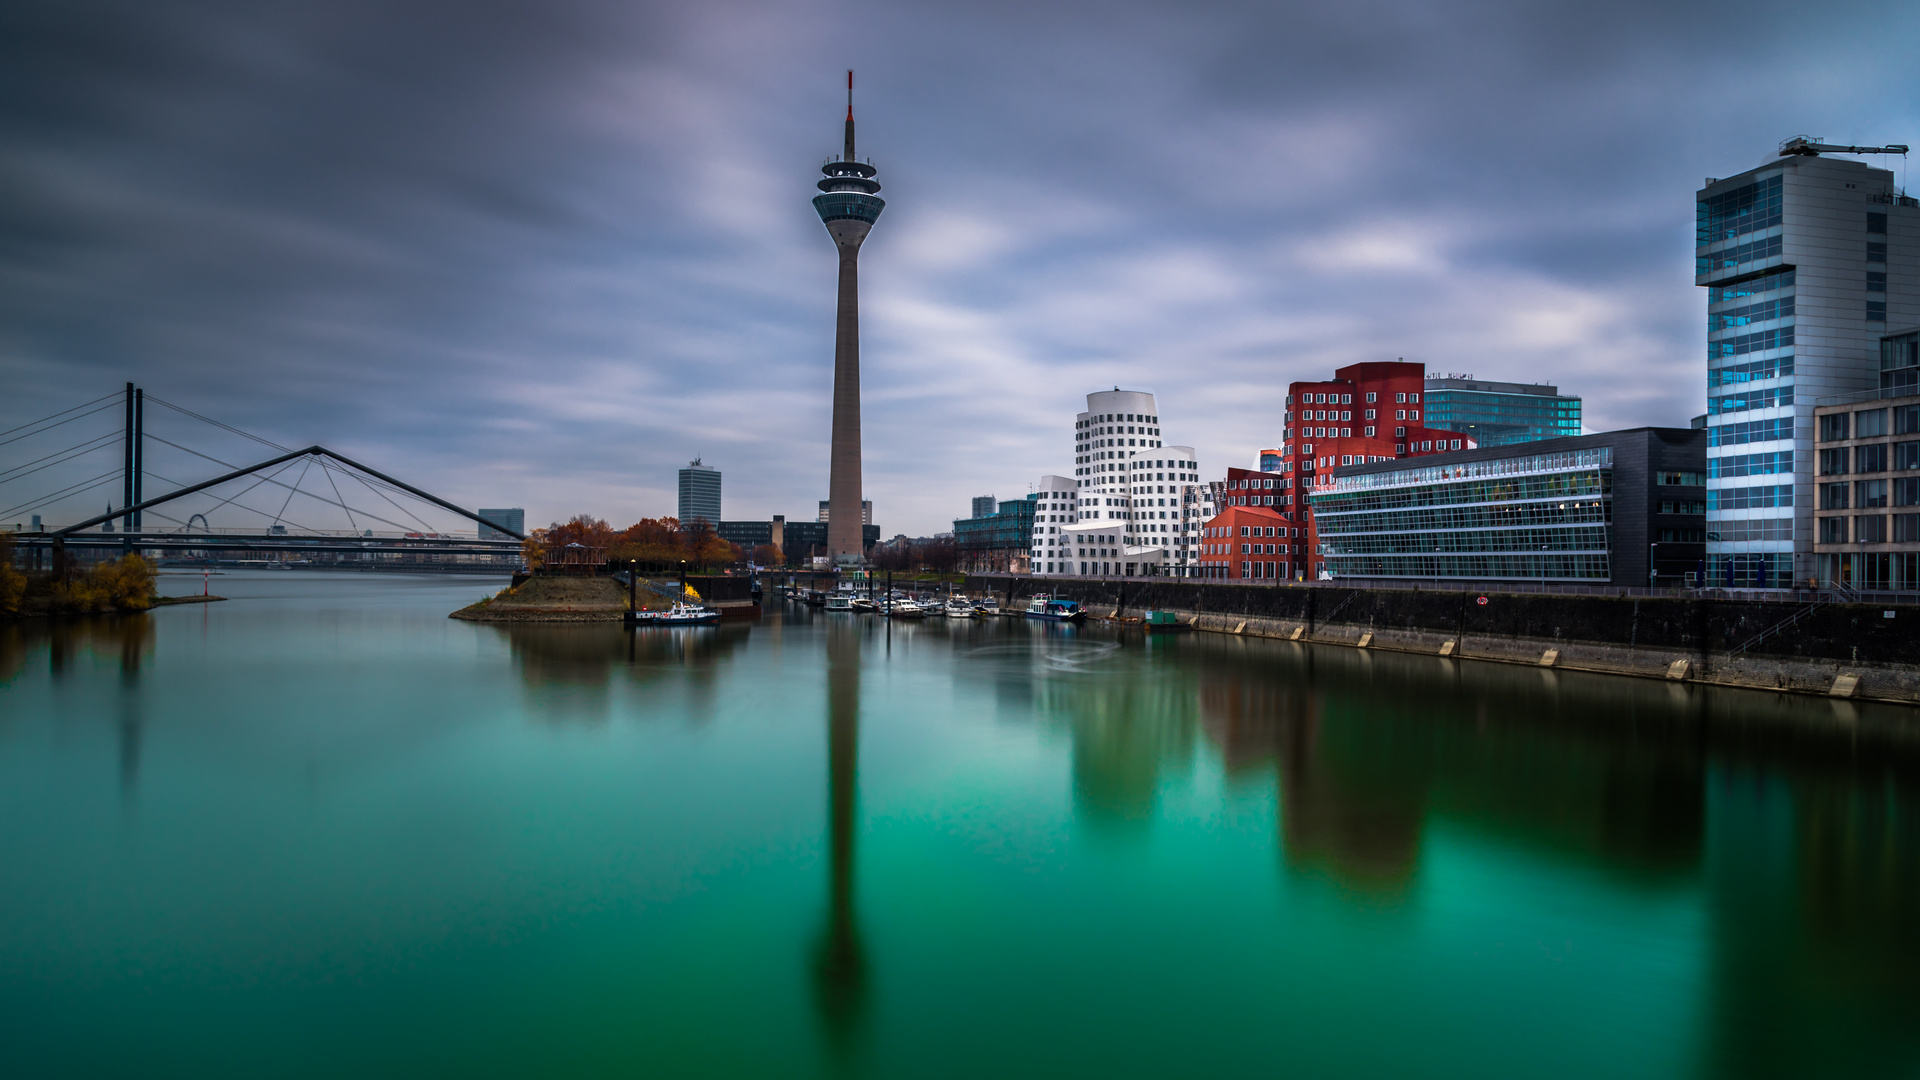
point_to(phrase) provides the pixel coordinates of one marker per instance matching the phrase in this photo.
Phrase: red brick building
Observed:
(1247, 543)
(1366, 412)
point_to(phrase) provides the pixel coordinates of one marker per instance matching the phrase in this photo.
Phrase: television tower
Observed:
(848, 207)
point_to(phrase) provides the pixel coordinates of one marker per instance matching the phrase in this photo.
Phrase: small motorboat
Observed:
(863, 604)
(989, 606)
(1046, 607)
(958, 608)
(677, 615)
(905, 609)
(932, 606)
(840, 602)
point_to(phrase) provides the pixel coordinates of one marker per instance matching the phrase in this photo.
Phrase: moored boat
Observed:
(840, 602)
(1046, 607)
(677, 615)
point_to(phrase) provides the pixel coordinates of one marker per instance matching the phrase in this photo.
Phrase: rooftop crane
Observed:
(1813, 147)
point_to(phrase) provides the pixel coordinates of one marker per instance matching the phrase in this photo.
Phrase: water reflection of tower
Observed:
(840, 966)
(848, 207)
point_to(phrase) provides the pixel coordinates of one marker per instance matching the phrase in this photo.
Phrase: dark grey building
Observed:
(1612, 508)
(983, 506)
(514, 519)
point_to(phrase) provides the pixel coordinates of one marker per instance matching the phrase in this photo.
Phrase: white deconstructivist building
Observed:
(1135, 505)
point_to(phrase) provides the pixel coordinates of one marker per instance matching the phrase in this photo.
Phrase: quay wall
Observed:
(1628, 635)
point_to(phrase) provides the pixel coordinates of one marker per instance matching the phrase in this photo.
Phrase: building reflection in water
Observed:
(1367, 748)
(840, 965)
(567, 669)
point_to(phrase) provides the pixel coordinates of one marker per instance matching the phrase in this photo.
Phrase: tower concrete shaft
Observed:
(848, 206)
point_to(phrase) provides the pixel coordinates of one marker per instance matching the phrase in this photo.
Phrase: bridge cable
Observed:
(294, 490)
(393, 504)
(97, 442)
(342, 505)
(65, 492)
(325, 464)
(342, 500)
(218, 424)
(50, 427)
(236, 504)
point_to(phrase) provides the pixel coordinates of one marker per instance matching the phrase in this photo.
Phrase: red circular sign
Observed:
(1482, 601)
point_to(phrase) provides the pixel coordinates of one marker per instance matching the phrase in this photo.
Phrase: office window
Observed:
(1906, 491)
(1833, 530)
(1834, 427)
(1876, 223)
(1870, 530)
(1906, 527)
(1876, 311)
(1876, 252)
(1876, 281)
(1834, 462)
(1872, 493)
(1680, 479)
(1871, 458)
(1906, 420)
(1834, 496)
(1870, 423)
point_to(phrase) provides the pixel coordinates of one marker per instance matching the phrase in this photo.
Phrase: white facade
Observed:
(1808, 261)
(1057, 511)
(1139, 503)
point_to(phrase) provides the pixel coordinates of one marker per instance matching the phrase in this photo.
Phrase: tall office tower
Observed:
(699, 493)
(984, 506)
(1128, 475)
(1805, 259)
(848, 207)
(1499, 414)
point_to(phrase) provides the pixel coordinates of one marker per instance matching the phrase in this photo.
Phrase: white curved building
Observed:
(1138, 503)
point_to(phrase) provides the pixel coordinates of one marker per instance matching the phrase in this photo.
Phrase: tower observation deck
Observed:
(848, 206)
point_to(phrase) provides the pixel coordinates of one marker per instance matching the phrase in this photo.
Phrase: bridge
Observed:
(391, 534)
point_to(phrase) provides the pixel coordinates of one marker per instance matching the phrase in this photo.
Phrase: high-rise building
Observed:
(699, 493)
(514, 519)
(1366, 413)
(983, 506)
(1808, 262)
(848, 207)
(1498, 413)
(1130, 484)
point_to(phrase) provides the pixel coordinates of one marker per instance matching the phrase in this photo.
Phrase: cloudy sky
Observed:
(542, 254)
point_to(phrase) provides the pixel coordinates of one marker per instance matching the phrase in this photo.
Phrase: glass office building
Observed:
(1500, 414)
(699, 493)
(1615, 508)
(1808, 261)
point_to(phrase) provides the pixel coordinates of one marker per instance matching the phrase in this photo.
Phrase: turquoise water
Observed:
(322, 830)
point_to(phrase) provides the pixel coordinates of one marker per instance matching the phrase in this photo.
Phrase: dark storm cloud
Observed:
(541, 254)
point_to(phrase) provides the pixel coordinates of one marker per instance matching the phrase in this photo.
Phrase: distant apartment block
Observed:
(1500, 413)
(699, 493)
(983, 506)
(514, 519)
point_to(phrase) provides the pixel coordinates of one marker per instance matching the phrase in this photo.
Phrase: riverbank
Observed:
(1841, 650)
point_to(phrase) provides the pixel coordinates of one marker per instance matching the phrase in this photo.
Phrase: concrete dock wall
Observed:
(1645, 636)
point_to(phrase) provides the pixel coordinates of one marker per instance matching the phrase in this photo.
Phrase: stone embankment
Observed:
(1800, 646)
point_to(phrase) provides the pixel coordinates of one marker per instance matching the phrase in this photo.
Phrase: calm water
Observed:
(322, 830)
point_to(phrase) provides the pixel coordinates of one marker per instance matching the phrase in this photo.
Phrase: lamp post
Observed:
(1653, 564)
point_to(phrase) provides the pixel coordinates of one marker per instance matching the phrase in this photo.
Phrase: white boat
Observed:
(840, 602)
(960, 609)
(905, 609)
(678, 615)
(933, 607)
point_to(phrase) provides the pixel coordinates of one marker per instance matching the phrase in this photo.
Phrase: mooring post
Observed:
(633, 586)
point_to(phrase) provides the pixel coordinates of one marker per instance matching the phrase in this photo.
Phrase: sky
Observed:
(542, 255)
